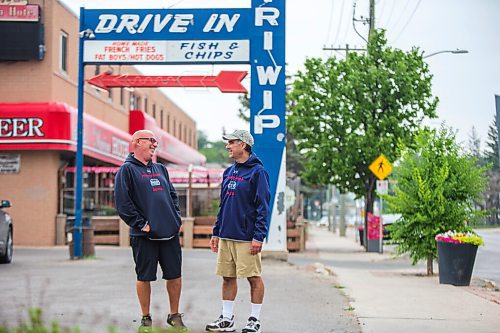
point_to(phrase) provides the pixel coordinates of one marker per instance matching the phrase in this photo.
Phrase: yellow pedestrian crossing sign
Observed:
(381, 167)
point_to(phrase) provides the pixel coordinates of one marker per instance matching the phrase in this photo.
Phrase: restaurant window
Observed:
(122, 96)
(63, 56)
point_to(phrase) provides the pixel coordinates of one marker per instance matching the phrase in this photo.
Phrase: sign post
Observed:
(254, 36)
(381, 168)
(77, 231)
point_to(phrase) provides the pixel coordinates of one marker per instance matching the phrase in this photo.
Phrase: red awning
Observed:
(169, 147)
(53, 126)
(178, 175)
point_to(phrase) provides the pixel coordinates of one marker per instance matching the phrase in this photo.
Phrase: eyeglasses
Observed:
(152, 140)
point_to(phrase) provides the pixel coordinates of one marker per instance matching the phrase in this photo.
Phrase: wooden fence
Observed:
(195, 232)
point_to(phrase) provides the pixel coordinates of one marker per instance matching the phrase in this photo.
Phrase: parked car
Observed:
(389, 219)
(6, 232)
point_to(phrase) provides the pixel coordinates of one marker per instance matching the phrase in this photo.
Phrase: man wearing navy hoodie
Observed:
(148, 203)
(240, 229)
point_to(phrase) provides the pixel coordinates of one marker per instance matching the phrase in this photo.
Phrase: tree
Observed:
(491, 197)
(491, 152)
(244, 110)
(474, 144)
(345, 113)
(215, 152)
(202, 139)
(436, 188)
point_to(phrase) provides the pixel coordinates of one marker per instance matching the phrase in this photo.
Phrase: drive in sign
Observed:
(168, 36)
(254, 36)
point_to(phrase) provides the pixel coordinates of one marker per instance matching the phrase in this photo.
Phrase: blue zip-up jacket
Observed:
(144, 194)
(244, 202)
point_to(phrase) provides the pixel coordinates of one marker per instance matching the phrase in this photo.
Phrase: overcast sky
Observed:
(465, 83)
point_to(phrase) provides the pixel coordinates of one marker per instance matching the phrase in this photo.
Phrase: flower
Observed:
(460, 238)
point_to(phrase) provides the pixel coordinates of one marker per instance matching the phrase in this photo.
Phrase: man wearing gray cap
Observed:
(240, 229)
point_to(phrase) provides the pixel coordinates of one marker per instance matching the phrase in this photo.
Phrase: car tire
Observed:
(7, 258)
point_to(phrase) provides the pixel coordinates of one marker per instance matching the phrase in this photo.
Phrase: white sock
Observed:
(256, 310)
(227, 309)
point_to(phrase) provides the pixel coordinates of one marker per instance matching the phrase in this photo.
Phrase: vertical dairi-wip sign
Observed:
(267, 107)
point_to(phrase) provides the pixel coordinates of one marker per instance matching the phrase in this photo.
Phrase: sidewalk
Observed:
(390, 295)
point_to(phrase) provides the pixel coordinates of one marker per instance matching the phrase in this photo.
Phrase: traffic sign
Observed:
(381, 167)
(382, 186)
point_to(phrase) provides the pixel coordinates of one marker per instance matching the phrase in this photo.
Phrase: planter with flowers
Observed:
(456, 256)
(436, 188)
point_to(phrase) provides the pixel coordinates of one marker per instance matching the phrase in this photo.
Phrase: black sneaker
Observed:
(253, 326)
(175, 321)
(221, 325)
(146, 324)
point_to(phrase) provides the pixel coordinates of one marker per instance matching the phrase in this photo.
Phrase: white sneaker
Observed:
(221, 325)
(253, 326)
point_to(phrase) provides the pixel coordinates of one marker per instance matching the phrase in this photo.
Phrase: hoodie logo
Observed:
(231, 186)
(155, 183)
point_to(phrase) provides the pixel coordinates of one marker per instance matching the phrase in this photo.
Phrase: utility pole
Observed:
(372, 18)
(371, 21)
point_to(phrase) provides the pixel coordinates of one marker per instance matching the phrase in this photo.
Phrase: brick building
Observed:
(38, 100)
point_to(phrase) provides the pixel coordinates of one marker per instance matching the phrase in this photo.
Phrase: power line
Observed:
(390, 14)
(330, 20)
(408, 22)
(340, 22)
(382, 10)
(347, 29)
(400, 16)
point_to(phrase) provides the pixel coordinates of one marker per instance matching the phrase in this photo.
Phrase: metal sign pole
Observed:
(381, 226)
(77, 239)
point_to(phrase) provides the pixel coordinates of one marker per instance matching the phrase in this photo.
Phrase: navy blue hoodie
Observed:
(244, 202)
(144, 194)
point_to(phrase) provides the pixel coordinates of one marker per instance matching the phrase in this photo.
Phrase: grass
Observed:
(36, 324)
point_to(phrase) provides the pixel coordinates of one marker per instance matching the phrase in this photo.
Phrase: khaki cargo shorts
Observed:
(234, 260)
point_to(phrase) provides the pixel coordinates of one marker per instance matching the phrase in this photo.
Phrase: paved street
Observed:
(487, 265)
(354, 292)
(97, 292)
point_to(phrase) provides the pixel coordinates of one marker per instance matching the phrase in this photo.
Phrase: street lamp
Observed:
(457, 51)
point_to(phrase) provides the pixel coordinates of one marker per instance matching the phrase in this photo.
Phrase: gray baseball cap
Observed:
(242, 135)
